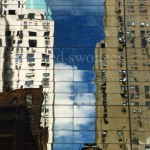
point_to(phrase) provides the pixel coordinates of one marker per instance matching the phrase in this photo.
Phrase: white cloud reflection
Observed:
(69, 105)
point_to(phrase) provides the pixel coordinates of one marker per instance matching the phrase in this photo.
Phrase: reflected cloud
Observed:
(71, 101)
(63, 137)
(64, 99)
(84, 99)
(63, 124)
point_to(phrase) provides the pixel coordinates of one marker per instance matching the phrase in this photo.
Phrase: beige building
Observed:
(122, 69)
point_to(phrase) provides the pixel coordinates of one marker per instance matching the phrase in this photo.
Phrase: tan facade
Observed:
(122, 69)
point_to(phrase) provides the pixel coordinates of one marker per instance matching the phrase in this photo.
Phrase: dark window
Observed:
(45, 64)
(143, 42)
(30, 58)
(32, 33)
(31, 15)
(46, 33)
(46, 110)
(136, 103)
(45, 58)
(42, 16)
(8, 33)
(19, 4)
(102, 45)
(21, 17)
(19, 41)
(20, 34)
(147, 92)
(12, 12)
(4, 12)
(142, 33)
(0, 42)
(32, 43)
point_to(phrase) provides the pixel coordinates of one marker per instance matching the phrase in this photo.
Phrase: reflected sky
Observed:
(78, 27)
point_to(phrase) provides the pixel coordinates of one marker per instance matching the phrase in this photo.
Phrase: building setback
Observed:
(26, 51)
(123, 77)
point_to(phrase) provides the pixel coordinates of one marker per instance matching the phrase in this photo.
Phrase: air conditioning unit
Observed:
(31, 64)
(29, 74)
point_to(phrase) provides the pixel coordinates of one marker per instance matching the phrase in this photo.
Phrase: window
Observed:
(19, 41)
(142, 8)
(31, 15)
(147, 92)
(32, 43)
(45, 58)
(46, 33)
(20, 34)
(45, 64)
(45, 82)
(29, 83)
(12, 12)
(29, 100)
(32, 33)
(25, 25)
(21, 17)
(46, 110)
(45, 74)
(47, 41)
(19, 58)
(42, 16)
(30, 58)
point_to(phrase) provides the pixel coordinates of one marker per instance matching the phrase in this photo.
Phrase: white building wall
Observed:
(2, 49)
(21, 68)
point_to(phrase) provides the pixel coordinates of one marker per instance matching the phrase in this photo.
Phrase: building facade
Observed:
(26, 48)
(122, 69)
